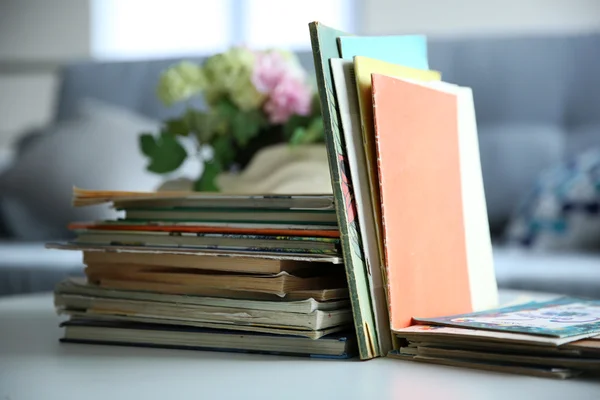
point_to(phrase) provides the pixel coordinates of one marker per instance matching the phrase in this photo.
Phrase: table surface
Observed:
(34, 365)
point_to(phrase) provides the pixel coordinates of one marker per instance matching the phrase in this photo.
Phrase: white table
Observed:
(34, 365)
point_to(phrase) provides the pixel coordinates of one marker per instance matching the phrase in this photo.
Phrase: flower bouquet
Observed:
(253, 99)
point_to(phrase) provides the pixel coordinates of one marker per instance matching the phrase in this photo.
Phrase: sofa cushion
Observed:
(512, 156)
(562, 209)
(97, 149)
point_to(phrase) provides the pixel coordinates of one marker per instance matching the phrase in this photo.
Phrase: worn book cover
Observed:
(561, 318)
(325, 46)
(438, 251)
(347, 98)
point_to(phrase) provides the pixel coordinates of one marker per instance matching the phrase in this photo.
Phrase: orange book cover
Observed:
(418, 141)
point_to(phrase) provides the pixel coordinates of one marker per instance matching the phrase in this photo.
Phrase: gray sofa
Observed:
(537, 101)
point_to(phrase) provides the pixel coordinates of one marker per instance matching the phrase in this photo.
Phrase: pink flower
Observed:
(270, 68)
(290, 96)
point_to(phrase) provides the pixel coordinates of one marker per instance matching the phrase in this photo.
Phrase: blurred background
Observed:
(38, 36)
(533, 66)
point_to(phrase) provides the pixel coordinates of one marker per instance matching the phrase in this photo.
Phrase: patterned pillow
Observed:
(562, 211)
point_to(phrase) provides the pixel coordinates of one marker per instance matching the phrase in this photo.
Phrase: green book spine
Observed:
(324, 47)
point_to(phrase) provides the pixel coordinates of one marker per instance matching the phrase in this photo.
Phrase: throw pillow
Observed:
(97, 150)
(562, 210)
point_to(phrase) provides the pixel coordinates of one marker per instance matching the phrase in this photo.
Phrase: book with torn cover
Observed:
(79, 287)
(328, 294)
(279, 284)
(94, 305)
(228, 264)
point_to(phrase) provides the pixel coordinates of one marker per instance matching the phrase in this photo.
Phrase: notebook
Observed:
(438, 249)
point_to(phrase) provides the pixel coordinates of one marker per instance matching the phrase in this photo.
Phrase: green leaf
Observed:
(207, 182)
(166, 155)
(147, 144)
(246, 125)
(298, 136)
(177, 126)
(223, 150)
(293, 123)
(313, 133)
(226, 109)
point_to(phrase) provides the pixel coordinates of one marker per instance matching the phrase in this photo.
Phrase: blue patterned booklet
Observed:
(561, 318)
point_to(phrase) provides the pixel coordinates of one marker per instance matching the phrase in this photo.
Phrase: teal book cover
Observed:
(406, 50)
(563, 317)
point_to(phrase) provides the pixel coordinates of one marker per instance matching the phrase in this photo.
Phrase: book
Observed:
(325, 46)
(122, 199)
(328, 294)
(248, 253)
(183, 337)
(560, 336)
(279, 284)
(234, 215)
(561, 318)
(406, 50)
(438, 249)
(448, 334)
(190, 261)
(209, 241)
(79, 287)
(217, 227)
(78, 315)
(94, 305)
(363, 68)
(537, 371)
(347, 99)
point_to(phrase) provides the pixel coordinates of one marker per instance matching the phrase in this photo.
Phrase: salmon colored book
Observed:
(76, 226)
(437, 244)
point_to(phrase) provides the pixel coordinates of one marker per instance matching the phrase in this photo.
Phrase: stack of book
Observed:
(403, 240)
(242, 273)
(558, 338)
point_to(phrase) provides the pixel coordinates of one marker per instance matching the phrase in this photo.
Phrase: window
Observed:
(156, 28)
(279, 23)
(137, 29)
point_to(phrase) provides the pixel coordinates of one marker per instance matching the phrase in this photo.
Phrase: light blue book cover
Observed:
(561, 318)
(407, 50)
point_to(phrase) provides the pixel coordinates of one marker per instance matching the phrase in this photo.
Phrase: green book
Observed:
(324, 41)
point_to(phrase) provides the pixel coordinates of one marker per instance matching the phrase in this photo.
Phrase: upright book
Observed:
(324, 41)
(438, 249)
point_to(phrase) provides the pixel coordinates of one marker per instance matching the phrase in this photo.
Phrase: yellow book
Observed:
(363, 68)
